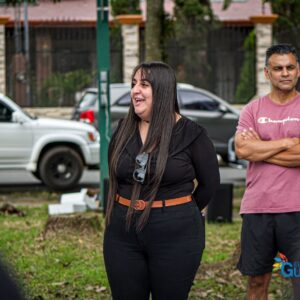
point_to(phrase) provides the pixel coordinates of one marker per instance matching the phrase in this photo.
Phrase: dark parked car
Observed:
(233, 160)
(216, 115)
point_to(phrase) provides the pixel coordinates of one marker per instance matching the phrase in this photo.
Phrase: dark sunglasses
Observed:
(141, 161)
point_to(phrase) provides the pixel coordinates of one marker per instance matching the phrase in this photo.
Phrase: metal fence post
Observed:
(103, 63)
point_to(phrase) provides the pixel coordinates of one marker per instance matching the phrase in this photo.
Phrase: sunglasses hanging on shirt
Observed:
(139, 173)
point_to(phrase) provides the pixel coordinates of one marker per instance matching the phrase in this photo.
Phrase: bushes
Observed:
(60, 88)
(247, 83)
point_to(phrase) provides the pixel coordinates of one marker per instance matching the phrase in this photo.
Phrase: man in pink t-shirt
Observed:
(268, 136)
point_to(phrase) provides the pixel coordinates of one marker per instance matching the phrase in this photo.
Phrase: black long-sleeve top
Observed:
(191, 156)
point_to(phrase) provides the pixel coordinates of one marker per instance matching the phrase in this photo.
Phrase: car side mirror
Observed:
(17, 117)
(223, 109)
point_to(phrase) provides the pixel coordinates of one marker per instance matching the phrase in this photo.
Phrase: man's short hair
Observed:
(281, 49)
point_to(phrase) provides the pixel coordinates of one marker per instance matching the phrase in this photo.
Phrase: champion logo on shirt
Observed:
(266, 120)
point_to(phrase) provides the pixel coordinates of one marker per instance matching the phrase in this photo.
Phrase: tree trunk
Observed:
(153, 39)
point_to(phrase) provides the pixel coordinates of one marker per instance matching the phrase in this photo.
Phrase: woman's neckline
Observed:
(178, 121)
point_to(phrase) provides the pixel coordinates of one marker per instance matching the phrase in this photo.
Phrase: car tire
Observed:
(61, 168)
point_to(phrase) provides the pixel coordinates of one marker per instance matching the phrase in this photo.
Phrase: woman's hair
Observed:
(165, 106)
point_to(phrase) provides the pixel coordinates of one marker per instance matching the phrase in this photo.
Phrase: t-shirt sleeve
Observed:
(246, 119)
(206, 168)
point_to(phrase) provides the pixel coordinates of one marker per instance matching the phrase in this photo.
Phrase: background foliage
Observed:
(121, 7)
(60, 88)
(193, 20)
(246, 87)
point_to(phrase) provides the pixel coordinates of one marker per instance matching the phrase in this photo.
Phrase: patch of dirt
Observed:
(9, 209)
(79, 223)
(225, 274)
(33, 199)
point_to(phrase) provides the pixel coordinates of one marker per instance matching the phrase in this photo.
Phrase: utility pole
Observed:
(103, 63)
(27, 55)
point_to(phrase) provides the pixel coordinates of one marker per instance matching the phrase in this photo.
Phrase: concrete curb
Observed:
(51, 112)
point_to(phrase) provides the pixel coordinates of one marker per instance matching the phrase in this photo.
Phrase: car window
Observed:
(88, 99)
(197, 101)
(116, 91)
(5, 113)
(124, 100)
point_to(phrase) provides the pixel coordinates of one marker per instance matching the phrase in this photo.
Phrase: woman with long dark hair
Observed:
(155, 235)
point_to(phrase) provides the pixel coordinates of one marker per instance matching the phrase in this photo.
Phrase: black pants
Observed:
(162, 259)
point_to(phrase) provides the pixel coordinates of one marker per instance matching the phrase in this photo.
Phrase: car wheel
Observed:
(61, 168)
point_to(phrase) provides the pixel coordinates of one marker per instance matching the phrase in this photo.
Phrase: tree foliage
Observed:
(193, 20)
(193, 10)
(287, 26)
(123, 7)
(246, 87)
(285, 30)
(288, 11)
(60, 88)
(154, 30)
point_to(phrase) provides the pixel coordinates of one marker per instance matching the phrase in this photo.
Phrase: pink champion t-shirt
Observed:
(271, 188)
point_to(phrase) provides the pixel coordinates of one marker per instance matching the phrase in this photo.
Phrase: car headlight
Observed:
(93, 136)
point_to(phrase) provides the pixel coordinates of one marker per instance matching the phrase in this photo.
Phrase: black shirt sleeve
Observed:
(206, 167)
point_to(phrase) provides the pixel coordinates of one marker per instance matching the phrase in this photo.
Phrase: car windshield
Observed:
(17, 107)
(89, 99)
(197, 101)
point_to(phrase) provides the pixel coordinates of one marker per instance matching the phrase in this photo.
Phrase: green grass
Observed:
(221, 241)
(68, 264)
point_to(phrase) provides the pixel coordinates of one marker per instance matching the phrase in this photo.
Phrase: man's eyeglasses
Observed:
(140, 172)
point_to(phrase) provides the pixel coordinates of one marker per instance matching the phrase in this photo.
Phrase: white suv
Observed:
(55, 151)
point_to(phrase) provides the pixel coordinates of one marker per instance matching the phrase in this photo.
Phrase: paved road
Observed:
(232, 175)
(19, 180)
(24, 181)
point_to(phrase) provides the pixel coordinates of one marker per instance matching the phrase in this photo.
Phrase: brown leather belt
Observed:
(141, 204)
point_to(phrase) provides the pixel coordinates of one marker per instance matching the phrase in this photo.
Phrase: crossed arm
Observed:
(283, 152)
